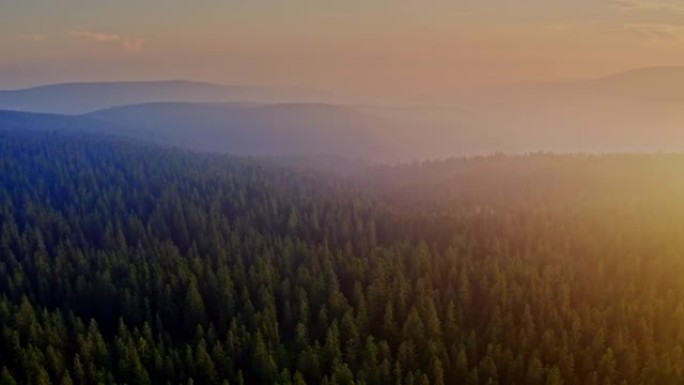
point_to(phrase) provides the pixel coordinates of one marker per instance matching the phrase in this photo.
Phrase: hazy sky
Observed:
(408, 47)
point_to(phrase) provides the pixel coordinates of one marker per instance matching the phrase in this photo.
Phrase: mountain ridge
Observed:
(239, 129)
(84, 97)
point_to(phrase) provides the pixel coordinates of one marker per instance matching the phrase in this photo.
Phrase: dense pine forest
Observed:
(127, 263)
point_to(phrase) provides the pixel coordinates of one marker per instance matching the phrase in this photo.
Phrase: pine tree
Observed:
(194, 313)
(6, 377)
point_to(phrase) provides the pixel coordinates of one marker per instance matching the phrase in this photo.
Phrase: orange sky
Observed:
(405, 48)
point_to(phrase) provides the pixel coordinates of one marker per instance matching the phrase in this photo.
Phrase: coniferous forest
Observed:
(122, 262)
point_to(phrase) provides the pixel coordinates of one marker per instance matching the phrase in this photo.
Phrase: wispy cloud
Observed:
(649, 5)
(32, 37)
(127, 43)
(95, 36)
(651, 32)
(659, 31)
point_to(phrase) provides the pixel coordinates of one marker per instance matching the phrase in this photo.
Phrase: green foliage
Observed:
(123, 263)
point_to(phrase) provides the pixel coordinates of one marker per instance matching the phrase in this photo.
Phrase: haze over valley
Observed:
(595, 115)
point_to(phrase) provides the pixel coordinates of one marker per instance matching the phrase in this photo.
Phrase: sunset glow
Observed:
(380, 48)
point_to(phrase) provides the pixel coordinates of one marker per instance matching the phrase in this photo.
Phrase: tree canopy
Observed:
(127, 263)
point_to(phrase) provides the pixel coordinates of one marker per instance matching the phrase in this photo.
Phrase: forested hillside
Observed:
(126, 263)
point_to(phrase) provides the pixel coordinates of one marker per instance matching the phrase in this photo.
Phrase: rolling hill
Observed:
(237, 128)
(653, 84)
(249, 129)
(79, 98)
(629, 112)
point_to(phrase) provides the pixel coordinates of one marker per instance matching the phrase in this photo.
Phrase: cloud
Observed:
(130, 44)
(656, 31)
(32, 37)
(95, 36)
(649, 5)
(647, 32)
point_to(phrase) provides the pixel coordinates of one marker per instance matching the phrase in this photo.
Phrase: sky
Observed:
(357, 47)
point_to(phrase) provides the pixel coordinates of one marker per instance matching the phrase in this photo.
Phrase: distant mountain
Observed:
(253, 129)
(629, 112)
(79, 98)
(634, 111)
(655, 84)
(238, 128)
(29, 121)
(652, 83)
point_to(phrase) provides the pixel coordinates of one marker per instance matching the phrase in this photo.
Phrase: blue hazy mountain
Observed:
(629, 112)
(79, 98)
(236, 128)
(254, 129)
(31, 121)
(653, 84)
